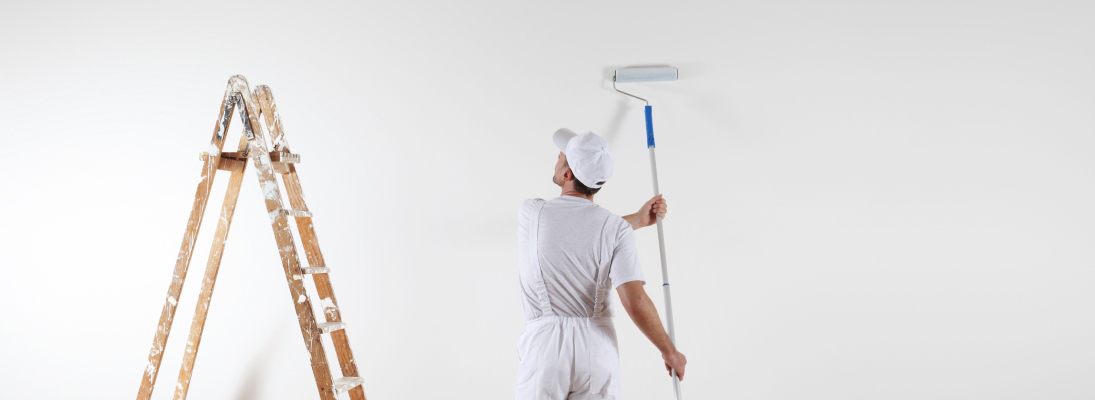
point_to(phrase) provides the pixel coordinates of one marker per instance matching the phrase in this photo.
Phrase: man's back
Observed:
(581, 251)
(572, 252)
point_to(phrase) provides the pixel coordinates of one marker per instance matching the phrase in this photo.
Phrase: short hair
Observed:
(581, 187)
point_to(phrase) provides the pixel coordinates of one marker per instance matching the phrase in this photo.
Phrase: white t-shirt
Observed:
(582, 251)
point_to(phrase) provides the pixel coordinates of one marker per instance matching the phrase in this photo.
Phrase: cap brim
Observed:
(562, 137)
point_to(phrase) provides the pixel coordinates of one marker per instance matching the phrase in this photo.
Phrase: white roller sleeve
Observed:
(646, 74)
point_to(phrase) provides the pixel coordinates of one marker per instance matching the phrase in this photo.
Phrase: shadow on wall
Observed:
(616, 121)
(258, 369)
(614, 124)
(711, 106)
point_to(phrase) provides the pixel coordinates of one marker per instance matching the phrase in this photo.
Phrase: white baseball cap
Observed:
(588, 156)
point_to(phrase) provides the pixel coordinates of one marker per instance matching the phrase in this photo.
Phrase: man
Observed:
(572, 252)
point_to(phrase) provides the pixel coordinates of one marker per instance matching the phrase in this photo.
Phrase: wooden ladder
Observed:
(253, 147)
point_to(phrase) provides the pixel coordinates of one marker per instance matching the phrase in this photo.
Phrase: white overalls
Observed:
(564, 357)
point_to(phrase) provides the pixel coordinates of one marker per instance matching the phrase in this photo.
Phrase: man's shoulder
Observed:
(526, 208)
(622, 226)
(533, 201)
(527, 205)
(613, 222)
(612, 218)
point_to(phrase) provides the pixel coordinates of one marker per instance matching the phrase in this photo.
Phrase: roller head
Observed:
(646, 74)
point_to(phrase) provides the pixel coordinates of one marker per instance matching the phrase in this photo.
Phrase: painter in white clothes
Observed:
(572, 253)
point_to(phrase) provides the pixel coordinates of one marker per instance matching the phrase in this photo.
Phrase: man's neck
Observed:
(569, 191)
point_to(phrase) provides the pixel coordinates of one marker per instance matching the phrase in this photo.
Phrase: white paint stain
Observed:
(213, 150)
(301, 299)
(270, 190)
(296, 277)
(171, 299)
(274, 216)
(327, 303)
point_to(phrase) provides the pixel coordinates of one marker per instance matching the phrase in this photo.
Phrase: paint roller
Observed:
(654, 74)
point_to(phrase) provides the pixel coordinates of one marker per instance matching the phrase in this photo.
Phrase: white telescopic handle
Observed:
(665, 274)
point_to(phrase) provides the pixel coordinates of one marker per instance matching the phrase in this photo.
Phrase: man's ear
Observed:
(568, 175)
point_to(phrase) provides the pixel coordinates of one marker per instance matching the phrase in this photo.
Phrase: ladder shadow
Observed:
(259, 367)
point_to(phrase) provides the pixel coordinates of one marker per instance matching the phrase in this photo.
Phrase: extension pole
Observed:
(661, 247)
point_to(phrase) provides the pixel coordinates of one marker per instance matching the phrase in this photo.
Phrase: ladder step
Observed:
(234, 155)
(295, 213)
(328, 327)
(278, 156)
(344, 384)
(315, 270)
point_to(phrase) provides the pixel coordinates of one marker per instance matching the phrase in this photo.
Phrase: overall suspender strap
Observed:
(599, 300)
(537, 273)
(602, 288)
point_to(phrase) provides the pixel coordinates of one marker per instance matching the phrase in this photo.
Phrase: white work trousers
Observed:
(568, 358)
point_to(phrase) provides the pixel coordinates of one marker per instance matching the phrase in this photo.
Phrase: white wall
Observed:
(869, 200)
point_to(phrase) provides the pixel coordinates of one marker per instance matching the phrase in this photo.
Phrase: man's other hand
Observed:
(675, 361)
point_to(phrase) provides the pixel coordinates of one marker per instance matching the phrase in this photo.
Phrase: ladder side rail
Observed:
(182, 262)
(264, 168)
(322, 281)
(211, 269)
(310, 242)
